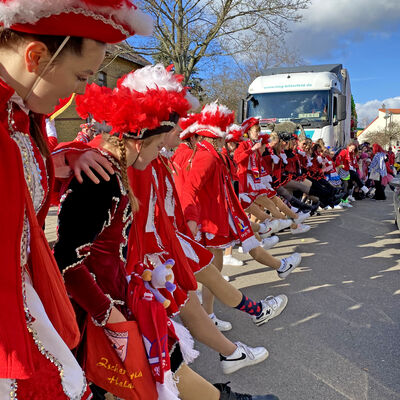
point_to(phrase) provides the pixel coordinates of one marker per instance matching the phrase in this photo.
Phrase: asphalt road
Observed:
(339, 337)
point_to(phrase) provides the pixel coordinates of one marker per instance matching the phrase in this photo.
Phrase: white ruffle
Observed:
(167, 390)
(250, 244)
(186, 343)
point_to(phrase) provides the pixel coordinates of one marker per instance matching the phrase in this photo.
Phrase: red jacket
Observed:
(230, 163)
(248, 162)
(15, 340)
(273, 165)
(315, 171)
(346, 159)
(206, 177)
(180, 159)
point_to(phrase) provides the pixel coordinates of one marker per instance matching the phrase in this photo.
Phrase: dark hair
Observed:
(9, 37)
(315, 147)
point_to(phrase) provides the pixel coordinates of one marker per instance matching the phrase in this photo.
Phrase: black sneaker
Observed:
(227, 394)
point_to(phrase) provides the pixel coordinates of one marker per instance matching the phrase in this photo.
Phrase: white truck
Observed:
(316, 96)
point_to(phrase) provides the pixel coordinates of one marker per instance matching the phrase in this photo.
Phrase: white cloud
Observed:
(368, 111)
(332, 25)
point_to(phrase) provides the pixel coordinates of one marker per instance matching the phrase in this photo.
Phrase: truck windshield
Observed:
(312, 106)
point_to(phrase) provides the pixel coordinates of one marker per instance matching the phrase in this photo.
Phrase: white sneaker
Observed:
(273, 226)
(271, 308)
(223, 326)
(269, 242)
(346, 204)
(301, 228)
(351, 198)
(230, 260)
(284, 223)
(301, 217)
(338, 207)
(264, 228)
(240, 249)
(294, 209)
(243, 356)
(288, 264)
(365, 189)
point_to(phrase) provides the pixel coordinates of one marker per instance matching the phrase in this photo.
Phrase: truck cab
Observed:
(316, 97)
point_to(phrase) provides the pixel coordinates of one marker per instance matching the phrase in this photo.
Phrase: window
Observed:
(334, 114)
(313, 106)
(102, 79)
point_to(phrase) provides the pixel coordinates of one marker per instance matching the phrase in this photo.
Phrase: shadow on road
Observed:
(339, 336)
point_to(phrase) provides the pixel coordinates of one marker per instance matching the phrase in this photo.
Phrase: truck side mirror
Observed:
(341, 107)
(241, 112)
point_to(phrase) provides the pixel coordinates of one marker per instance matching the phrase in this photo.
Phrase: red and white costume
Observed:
(347, 159)
(208, 197)
(145, 103)
(250, 170)
(35, 363)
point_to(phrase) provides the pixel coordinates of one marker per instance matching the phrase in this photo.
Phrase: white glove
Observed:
(267, 178)
(319, 158)
(284, 157)
(275, 158)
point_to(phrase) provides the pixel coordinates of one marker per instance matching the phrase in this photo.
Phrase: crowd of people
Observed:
(150, 196)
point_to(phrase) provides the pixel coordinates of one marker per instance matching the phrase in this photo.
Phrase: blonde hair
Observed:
(120, 143)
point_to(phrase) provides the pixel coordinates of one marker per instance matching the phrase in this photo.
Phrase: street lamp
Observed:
(388, 115)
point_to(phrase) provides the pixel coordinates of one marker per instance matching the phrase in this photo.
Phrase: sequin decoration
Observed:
(13, 390)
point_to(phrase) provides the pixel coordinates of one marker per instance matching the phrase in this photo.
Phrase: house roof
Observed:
(361, 132)
(392, 110)
(126, 52)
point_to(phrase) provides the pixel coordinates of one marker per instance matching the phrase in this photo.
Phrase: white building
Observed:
(380, 123)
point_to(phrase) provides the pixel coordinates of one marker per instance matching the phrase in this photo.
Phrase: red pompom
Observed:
(234, 134)
(185, 122)
(94, 102)
(216, 115)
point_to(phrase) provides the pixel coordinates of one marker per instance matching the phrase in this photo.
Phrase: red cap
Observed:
(212, 121)
(249, 122)
(146, 102)
(108, 21)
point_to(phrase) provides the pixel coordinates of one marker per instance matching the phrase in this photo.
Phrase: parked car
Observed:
(396, 199)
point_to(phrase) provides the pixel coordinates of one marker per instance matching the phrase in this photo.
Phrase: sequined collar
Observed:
(110, 157)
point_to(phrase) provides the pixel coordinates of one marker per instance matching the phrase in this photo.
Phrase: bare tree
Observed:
(386, 136)
(231, 84)
(187, 31)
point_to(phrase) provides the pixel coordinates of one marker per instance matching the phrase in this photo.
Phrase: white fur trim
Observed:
(29, 12)
(250, 244)
(186, 343)
(196, 127)
(152, 77)
(156, 76)
(212, 129)
(167, 390)
(214, 107)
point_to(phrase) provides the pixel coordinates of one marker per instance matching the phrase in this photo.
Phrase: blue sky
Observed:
(364, 36)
